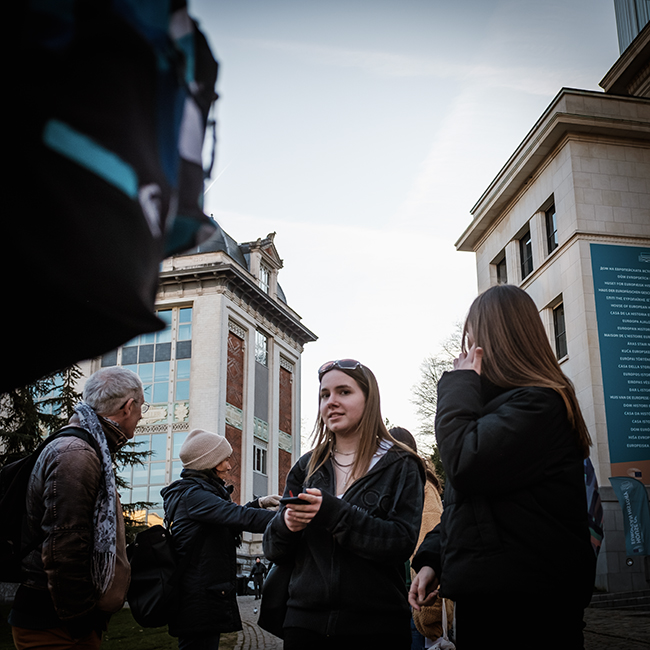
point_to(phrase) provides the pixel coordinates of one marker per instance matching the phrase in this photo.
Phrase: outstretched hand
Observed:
(270, 502)
(470, 360)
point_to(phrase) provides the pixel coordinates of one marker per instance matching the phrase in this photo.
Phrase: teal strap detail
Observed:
(186, 45)
(63, 139)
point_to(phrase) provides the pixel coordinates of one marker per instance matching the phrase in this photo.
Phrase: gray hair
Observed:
(107, 389)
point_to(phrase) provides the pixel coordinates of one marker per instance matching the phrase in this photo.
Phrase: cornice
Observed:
(226, 278)
(554, 125)
(631, 69)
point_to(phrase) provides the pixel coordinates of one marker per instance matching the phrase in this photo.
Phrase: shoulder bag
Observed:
(275, 595)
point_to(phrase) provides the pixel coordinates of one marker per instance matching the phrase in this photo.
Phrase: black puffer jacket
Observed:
(515, 517)
(200, 504)
(349, 574)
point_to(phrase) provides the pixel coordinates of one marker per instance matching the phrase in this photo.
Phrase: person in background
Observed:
(257, 575)
(513, 547)
(78, 573)
(426, 623)
(360, 494)
(206, 523)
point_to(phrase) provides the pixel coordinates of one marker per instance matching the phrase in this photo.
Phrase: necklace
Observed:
(336, 462)
(344, 453)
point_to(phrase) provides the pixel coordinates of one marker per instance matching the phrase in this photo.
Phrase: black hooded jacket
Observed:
(199, 504)
(348, 575)
(515, 517)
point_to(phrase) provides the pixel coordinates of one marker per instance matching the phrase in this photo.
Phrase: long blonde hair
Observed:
(371, 428)
(504, 321)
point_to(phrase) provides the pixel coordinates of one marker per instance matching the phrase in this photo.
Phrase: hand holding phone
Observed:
(287, 500)
(291, 499)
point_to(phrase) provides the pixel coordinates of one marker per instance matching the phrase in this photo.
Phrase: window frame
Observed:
(260, 460)
(526, 254)
(559, 330)
(264, 280)
(550, 220)
(261, 348)
(502, 270)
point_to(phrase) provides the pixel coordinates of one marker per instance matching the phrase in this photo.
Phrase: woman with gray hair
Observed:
(208, 525)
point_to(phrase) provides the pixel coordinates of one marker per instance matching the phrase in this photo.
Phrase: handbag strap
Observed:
(444, 620)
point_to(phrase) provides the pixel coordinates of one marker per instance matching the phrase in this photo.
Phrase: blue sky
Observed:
(363, 132)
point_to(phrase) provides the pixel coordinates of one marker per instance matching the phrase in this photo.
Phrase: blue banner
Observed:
(622, 294)
(632, 496)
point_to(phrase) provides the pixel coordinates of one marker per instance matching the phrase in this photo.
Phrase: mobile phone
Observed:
(286, 500)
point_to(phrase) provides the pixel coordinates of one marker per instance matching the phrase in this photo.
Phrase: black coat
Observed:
(348, 576)
(200, 504)
(515, 517)
(258, 572)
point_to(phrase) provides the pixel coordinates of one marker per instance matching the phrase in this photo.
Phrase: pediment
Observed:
(266, 247)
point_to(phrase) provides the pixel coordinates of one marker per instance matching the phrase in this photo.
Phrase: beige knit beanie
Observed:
(204, 450)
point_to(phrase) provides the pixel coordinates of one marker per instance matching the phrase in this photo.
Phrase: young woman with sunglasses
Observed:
(361, 495)
(513, 546)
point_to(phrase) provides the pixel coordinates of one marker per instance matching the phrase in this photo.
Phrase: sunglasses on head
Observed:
(341, 364)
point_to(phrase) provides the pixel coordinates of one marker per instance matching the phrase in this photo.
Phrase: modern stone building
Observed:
(568, 220)
(228, 361)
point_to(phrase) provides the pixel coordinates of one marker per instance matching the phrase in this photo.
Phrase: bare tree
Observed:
(30, 413)
(425, 392)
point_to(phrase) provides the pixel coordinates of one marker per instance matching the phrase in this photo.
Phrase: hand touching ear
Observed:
(470, 360)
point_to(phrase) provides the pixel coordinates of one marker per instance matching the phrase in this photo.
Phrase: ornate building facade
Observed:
(227, 361)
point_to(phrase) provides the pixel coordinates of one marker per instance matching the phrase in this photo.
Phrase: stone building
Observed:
(227, 361)
(568, 220)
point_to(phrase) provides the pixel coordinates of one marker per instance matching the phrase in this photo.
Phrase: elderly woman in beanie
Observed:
(207, 524)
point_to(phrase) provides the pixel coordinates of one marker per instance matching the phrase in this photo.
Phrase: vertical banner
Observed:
(632, 496)
(622, 294)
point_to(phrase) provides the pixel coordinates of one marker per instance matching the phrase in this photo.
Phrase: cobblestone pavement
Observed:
(615, 629)
(253, 637)
(607, 629)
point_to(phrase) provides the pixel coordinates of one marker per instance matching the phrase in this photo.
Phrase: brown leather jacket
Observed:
(61, 498)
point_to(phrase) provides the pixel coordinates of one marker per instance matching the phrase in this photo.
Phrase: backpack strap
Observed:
(69, 430)
(77, 432)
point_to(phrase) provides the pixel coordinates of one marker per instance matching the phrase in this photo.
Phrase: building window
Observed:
(265, 276)
(526, 254)
(551, 229)
(163, 362)
(177, 442)
(559, 330)
(261, 348)
(259, 459)
(146, 479)
(50, 402)
(152, 356)
(502, 271)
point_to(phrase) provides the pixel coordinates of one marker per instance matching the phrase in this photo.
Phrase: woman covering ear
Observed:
(513, 547)
(356, 524)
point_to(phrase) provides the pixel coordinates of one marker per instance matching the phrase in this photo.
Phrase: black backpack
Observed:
(155, 572)
(14, 478)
